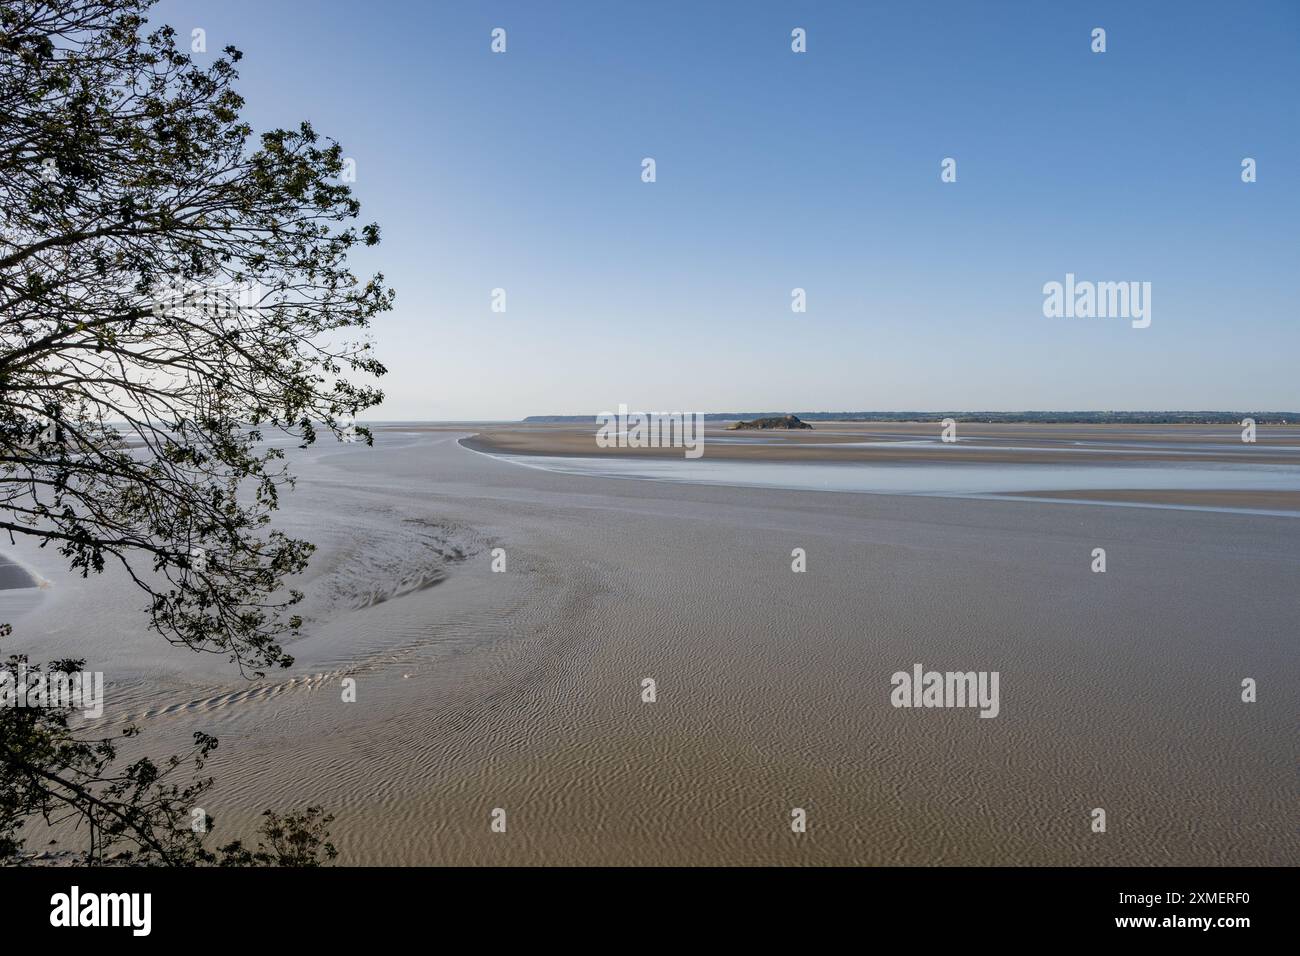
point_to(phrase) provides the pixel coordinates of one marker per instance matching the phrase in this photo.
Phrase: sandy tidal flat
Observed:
(522, 690)
(1184, 466)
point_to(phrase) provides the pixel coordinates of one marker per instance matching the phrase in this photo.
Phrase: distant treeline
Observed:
(1067, 418)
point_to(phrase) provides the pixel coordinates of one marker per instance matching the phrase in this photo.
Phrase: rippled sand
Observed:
(521, 690)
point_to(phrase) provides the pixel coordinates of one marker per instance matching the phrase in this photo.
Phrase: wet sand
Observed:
(1003, 445)
(521, 690)
(909, 442)
(1247, 500)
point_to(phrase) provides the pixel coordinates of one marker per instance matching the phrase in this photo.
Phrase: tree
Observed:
(295, 839)
(138, 813)
(61, 776)
(171, 289)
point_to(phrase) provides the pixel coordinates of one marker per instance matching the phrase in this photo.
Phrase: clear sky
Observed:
(820, 170)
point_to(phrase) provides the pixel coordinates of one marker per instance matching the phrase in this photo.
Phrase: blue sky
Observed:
(820, 170)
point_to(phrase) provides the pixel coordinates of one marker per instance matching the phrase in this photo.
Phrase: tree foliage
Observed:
(170, 288)
(139, 812)
(174, 291)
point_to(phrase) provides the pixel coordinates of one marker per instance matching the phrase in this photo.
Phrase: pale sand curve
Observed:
(14, 576)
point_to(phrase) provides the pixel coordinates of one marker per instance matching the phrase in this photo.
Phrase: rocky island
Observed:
(783, 421)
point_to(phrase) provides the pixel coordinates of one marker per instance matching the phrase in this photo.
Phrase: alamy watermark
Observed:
(75, 908)
(214, 300)
(623, 429)
(78, 690)
(922, 688)
(1098, 300)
